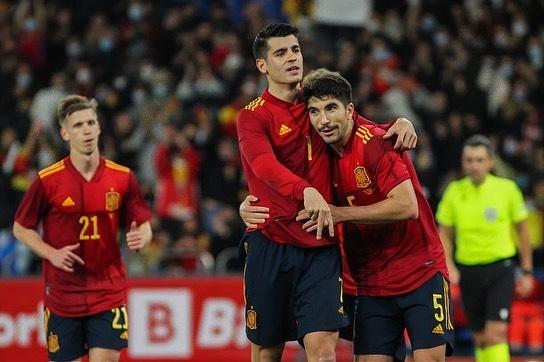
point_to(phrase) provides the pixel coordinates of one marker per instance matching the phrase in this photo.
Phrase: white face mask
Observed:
(73, 49)
(138, 96)
(136, 12)
(83, 76)
(31, 24)
(23, 80)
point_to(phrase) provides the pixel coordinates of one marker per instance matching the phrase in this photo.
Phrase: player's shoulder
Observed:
(368, 133)
(256, 109)
(255, 106)
(116, 167)
(53, 169)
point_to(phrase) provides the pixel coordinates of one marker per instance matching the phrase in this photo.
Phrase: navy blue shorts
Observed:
(425, 313)
(349, 308)
(291, 291)
(487, 292)
(347, 332)
(71, 338)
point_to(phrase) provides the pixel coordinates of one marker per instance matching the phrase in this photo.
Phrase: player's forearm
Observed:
(400, 204)
(32, 240)
(383, 212)
(525, 247)
(269, 170)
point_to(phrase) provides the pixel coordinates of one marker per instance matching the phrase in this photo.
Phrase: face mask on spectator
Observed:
(135, 12)
(138, 96)
(519, 28)
(23, 80)
(83, 76)
(105, 44)
(535, 55)
(73, 49)
(441, 39)
(506, 70)
(31, 24)
(160, 90)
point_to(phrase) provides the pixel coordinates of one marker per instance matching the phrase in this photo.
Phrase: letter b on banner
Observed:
(160, 322)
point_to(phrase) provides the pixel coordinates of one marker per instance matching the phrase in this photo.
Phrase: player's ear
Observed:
(349, 110)
(261, 65)
(64, 134)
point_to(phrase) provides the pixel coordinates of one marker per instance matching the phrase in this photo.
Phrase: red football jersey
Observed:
(73, 210)
(389, 259)
(280, 158)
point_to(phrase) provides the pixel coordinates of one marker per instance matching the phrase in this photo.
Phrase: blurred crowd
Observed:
(170, 76)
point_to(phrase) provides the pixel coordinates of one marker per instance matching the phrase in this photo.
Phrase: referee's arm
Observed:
(525, 249)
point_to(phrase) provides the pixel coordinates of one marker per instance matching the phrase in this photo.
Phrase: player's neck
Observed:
(85, 164)
(340, 146)
(285, 92)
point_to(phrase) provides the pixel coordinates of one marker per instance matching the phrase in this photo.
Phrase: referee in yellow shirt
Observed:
(479, 213)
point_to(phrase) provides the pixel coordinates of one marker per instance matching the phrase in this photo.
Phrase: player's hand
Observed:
(525, 285)
(135, 240)
(311, 225)
(318, 210)
(406, 134)
(253, 215)
(64, 258)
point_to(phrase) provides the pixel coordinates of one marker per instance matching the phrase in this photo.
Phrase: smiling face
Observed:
(331, 119)
(81, 131)
(477, 163)
(283, 61)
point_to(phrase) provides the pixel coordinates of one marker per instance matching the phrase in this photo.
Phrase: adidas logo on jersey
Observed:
(68, 202)
(284, 130)
(438, 329)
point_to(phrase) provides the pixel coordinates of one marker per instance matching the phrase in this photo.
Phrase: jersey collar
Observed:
(97, 175)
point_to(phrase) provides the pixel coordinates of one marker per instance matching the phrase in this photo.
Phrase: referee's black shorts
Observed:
(487, 292)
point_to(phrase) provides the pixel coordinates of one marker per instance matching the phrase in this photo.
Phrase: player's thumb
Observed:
(252, 198)
(133, 226)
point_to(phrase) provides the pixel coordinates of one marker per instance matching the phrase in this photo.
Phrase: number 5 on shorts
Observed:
(439, 316)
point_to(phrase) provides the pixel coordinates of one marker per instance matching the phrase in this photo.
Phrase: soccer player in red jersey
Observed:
(80, 202)
(391, 242)
(292, 278)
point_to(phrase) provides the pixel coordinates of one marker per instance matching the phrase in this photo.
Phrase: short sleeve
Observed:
(518, 208)
(445, 214)
(32, 206)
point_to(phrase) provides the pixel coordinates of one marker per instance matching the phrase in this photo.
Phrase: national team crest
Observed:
(251, 319)
(112, 201)
(361, 177)
(53, 343)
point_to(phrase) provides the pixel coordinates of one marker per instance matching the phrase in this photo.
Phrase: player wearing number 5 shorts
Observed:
(391, 242)
(80, 203)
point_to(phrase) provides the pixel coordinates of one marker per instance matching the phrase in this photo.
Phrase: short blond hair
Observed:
(74, 103)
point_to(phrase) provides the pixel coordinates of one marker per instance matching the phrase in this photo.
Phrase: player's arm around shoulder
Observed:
(400, 204)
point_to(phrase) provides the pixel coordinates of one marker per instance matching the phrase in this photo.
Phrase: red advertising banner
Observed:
(182, 319)
(196, 319)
